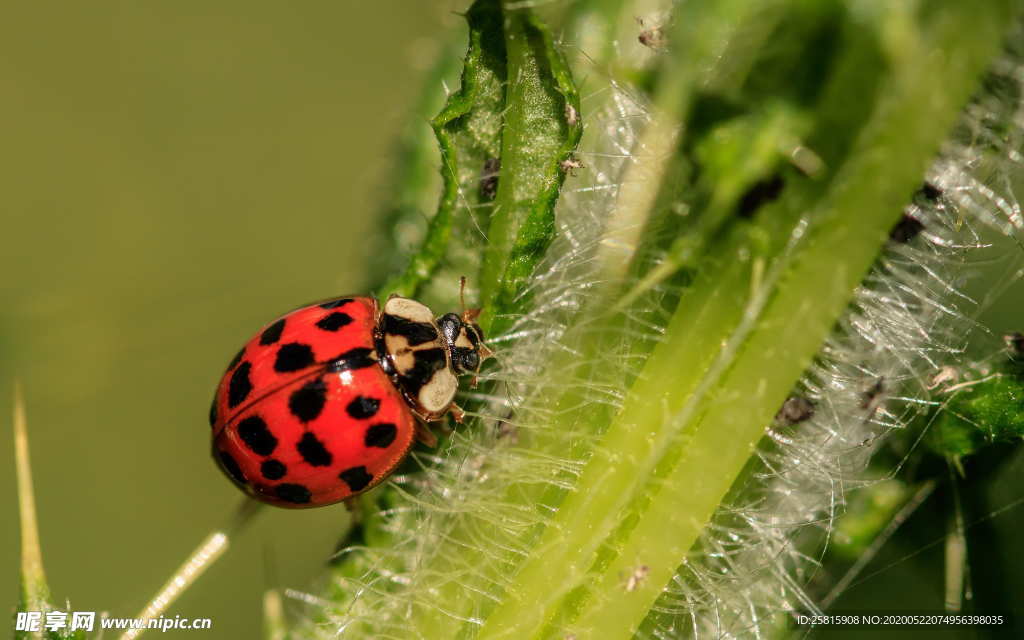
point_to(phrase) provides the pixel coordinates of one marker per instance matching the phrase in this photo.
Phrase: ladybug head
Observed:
(465, 342)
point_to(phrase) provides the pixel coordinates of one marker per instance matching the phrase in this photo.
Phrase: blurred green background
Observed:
(175, 174)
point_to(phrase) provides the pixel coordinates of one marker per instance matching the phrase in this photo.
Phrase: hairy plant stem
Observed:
(666, 483)
(637, 482)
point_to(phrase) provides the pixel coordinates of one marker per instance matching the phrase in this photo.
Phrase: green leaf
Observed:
(543, 125)
(468, 132)
(980, 412)
(503, 138)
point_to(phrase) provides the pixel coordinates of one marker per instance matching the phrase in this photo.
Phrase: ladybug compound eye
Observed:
(473, 351)
(476, 336)
(470, 361)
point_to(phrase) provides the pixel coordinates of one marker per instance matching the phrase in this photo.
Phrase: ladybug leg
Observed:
(425, 435)
(457, 413)
(354, 508)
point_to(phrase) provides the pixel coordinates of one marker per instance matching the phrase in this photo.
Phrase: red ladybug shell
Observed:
(305, 416)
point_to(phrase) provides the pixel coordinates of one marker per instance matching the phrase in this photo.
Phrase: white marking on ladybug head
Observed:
(408, 309)
(463, 340)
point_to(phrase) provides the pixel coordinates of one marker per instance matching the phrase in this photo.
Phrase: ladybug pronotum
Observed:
(326, 401)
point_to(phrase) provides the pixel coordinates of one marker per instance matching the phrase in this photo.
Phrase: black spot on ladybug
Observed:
(414, 332)
(231, 467)
(356, 478)
(334, 321)
(358, 358)
(334, 304)
(760, 193)
(273, 469)
(272, 333)
(906, 229)
(294, 493)
(213, 411)
(254, 433)
(307, 402)
(239, 386)
(293, 356)
(313, 451)
(362, 407)
(380, 435)
(238, 358)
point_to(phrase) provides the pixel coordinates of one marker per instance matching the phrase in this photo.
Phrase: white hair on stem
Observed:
(909, 319)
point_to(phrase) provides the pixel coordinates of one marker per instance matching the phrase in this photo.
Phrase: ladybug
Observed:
(326, 401)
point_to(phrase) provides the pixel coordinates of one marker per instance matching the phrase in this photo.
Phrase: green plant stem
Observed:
(677, 475)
